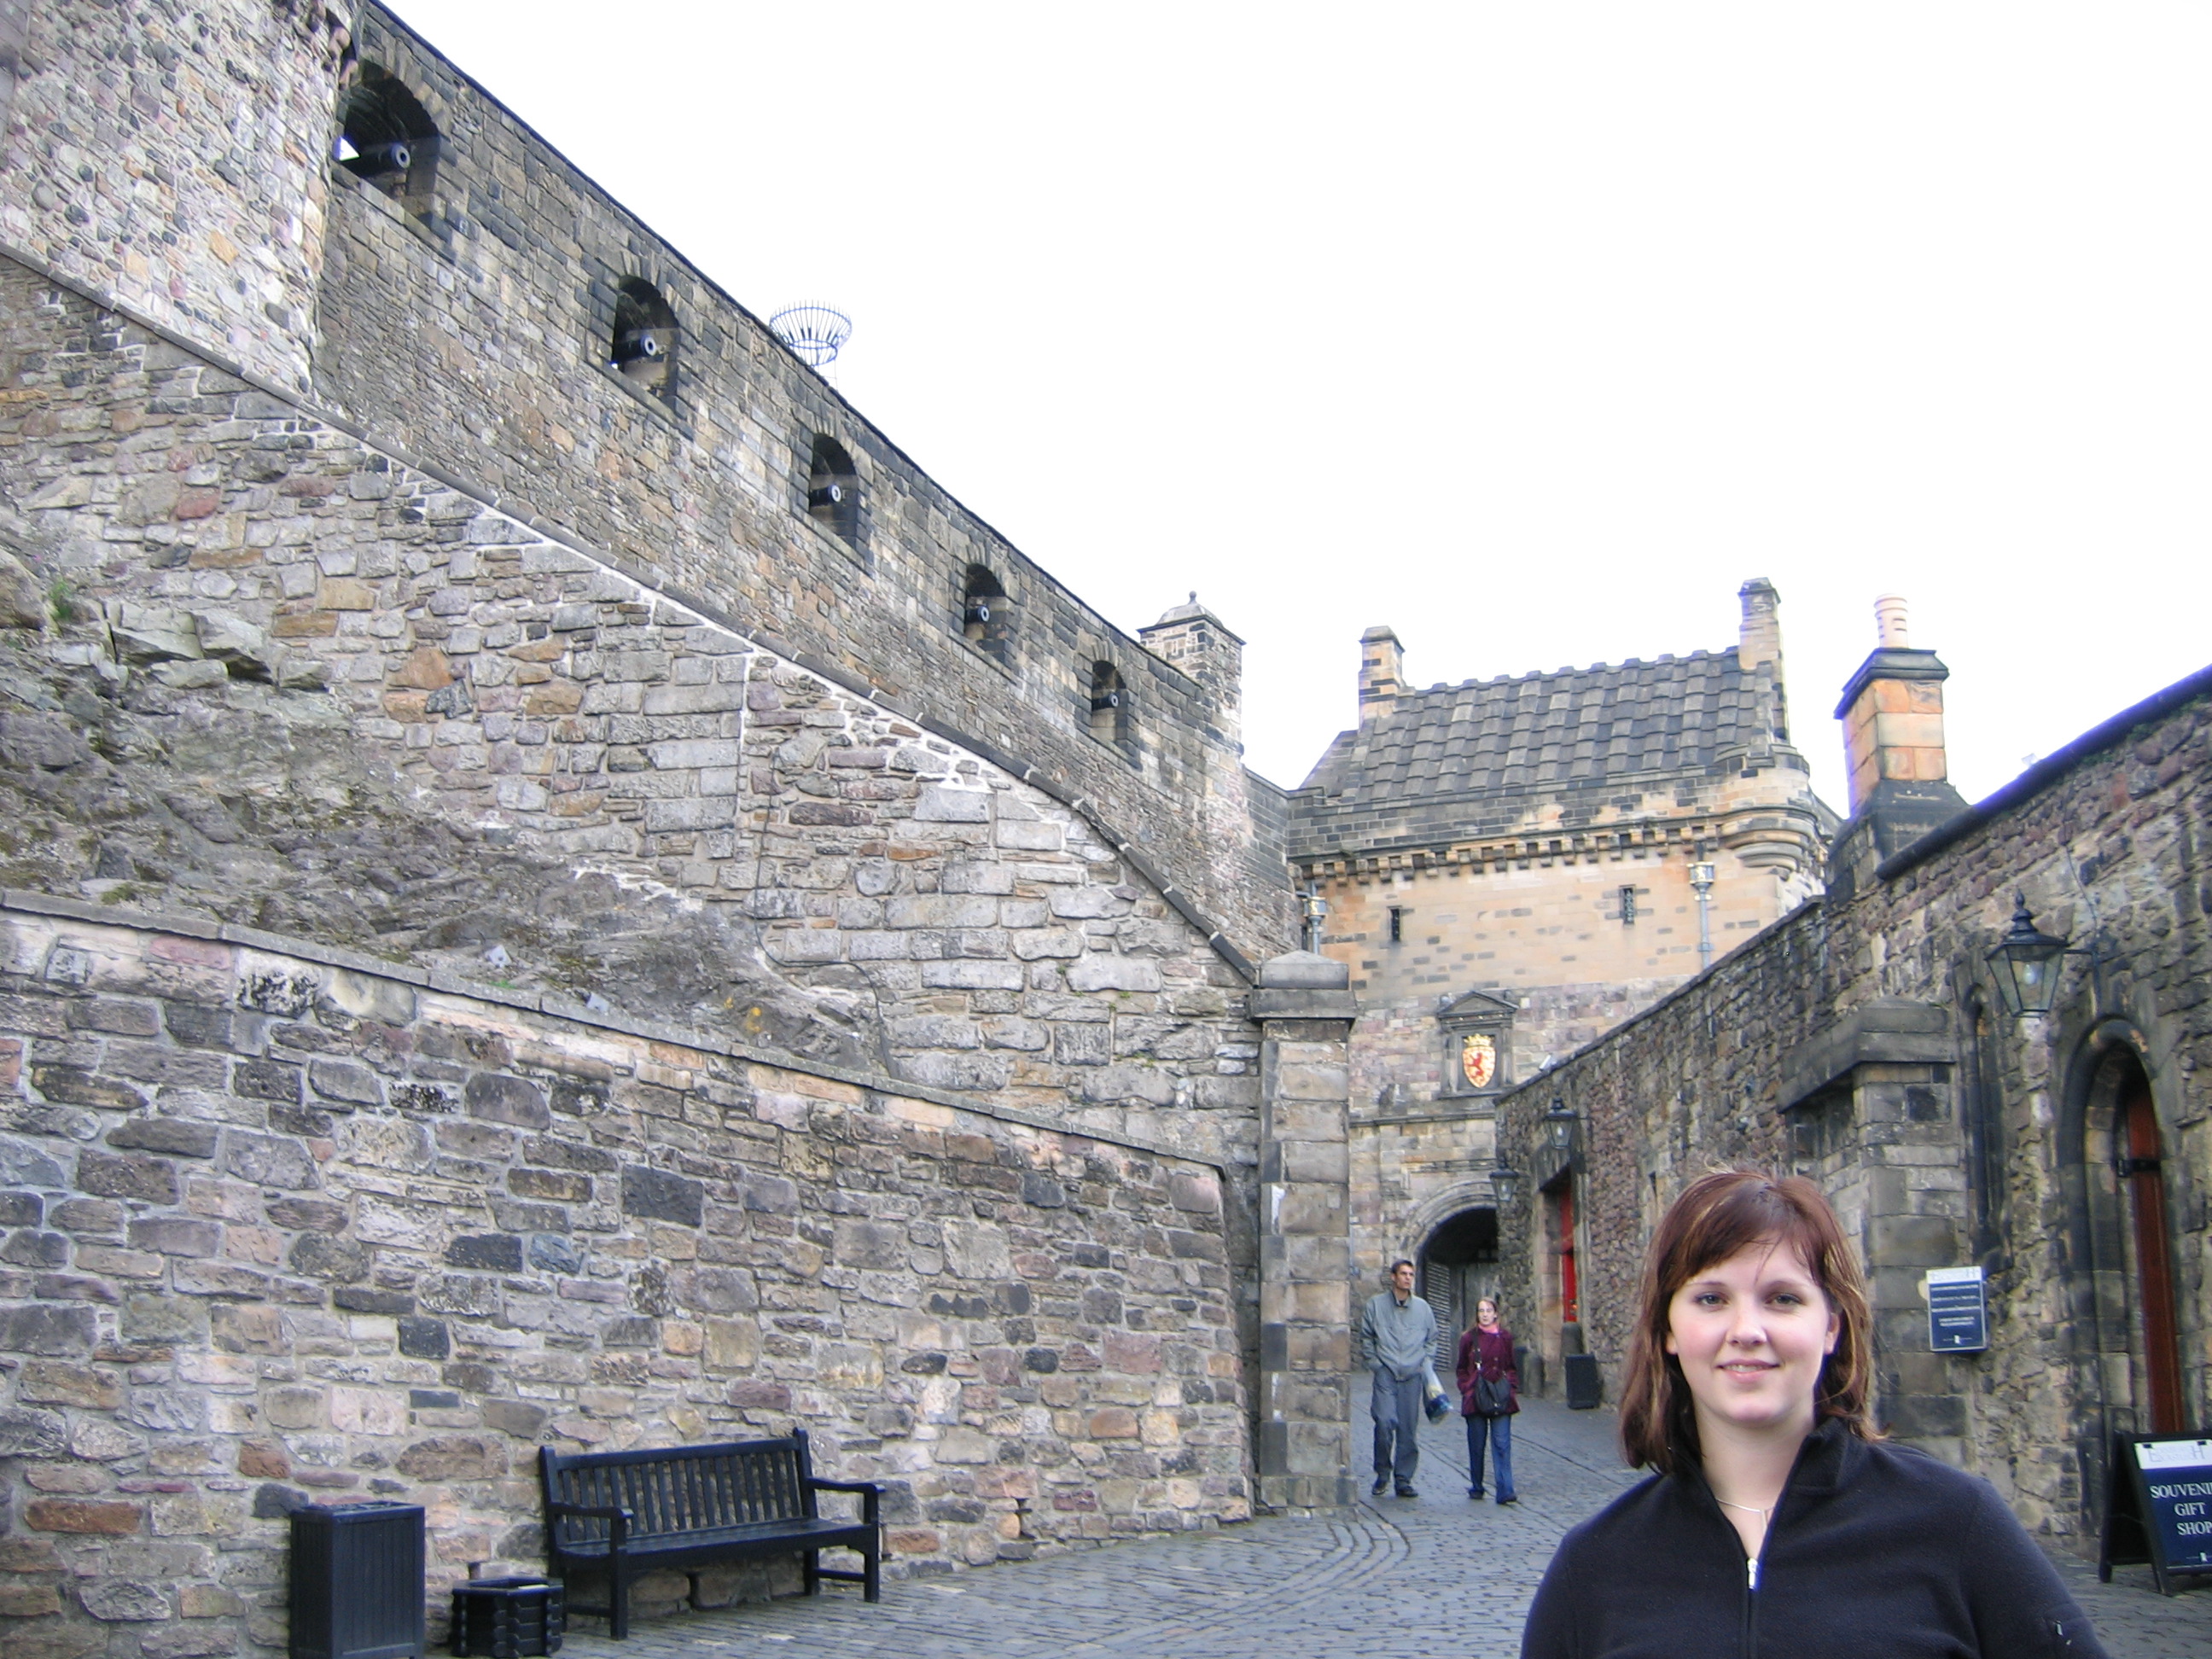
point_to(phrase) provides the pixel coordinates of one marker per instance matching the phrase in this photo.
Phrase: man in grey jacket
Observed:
(1398, 1339)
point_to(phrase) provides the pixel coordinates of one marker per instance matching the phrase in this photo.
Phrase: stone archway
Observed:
(2117, 1183)
(1439, 1207)
(1457, 1263)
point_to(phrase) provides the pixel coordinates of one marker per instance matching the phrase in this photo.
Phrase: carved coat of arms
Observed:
(1478, 1058)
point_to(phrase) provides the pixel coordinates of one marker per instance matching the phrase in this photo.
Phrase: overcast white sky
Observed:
(1532, 330)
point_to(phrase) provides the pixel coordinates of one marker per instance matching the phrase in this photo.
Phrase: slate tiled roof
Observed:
(1455, 759)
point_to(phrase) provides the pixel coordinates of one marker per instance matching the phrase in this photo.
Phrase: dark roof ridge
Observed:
(1532, 674)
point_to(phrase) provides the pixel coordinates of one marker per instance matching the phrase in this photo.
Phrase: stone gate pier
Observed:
(1305, 1008)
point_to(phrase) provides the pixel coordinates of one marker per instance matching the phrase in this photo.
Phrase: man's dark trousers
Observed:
(1396, 1407)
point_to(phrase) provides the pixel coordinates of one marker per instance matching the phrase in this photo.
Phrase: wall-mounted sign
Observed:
(2159, 1509)
(1957, 1314)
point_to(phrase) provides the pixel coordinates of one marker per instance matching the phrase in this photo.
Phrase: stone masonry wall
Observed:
(178, 162)
(280, 1225)
(2106, 841)
(1411, 1172)
(478, 334)
(316, 662)
(173, 155)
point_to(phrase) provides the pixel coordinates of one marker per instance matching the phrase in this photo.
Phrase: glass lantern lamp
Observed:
(2025, 963)
(1505, 1183)
(1557, 1127)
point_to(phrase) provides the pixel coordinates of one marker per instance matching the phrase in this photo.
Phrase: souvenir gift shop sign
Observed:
(2161, 1506)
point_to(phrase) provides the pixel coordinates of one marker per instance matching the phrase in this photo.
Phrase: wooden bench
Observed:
(680, 1507)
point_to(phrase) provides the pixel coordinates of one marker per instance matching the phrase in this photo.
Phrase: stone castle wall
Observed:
(490, 317)
(303, 635)
(280, 1225)
(173, 155)
(1863, 1043)
(179, 165)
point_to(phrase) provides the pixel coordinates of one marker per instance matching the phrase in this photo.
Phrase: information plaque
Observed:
(1957, 1314)
(2159, 1509)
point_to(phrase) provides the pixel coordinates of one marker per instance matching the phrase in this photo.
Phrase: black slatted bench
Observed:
(679, 1507)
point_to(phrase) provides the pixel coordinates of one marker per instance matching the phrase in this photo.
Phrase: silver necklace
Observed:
(1747, 1509)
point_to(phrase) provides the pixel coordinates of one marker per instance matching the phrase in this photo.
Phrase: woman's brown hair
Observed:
(1716, 1217)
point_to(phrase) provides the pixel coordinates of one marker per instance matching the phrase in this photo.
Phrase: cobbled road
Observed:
(1396, 1579)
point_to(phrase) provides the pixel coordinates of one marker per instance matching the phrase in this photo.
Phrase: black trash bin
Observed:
(1582, 1380)
(507, 1618)
(357, 1582)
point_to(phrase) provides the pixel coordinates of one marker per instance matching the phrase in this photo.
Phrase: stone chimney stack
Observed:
(1892, 716)
(1760, 638)
(1758, 642)
(1892, 711)
(1382, 673)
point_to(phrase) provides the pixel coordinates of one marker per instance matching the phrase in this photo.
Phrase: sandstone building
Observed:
(1512, 867)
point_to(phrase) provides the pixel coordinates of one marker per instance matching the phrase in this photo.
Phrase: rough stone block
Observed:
(943, 804)
(486, 1252)
(109, 1518)
(178, 1137)
(942, 910)
(47, 1329)
(1099, 971)
(345, 1080)
(499, 1098)
(699, 812)
(661, 1195)
(973, 975)
(1913, 1241)
(31, 1434)
(174, 1236)
(268, 1160)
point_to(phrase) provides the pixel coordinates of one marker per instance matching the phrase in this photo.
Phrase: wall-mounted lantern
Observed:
(1701, 879)
(1559, 1126)
(1505, 1183)
(2026, 962)
(1317, 912)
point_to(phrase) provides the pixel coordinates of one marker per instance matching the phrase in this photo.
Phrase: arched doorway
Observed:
(2140, 1166)
(2131, 1249)
(1458, 1264)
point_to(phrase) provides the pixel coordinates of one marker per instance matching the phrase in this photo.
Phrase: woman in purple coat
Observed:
(1485, 1359)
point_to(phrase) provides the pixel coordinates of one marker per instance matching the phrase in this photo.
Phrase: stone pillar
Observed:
(1874, 1121)
(1303, 1446)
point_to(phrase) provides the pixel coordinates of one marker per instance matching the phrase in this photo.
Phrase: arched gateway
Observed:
(1458, 1266)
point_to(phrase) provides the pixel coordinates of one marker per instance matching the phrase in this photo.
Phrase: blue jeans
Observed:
(1498, 1430)
(1396, 1408)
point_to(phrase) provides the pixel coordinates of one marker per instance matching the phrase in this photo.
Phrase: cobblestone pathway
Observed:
(1397, 1580)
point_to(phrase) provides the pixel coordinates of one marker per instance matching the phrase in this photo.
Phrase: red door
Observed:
(2146, 1190)
(1569, 1308)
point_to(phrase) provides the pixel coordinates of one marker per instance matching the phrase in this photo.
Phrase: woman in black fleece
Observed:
(1778, 1520)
